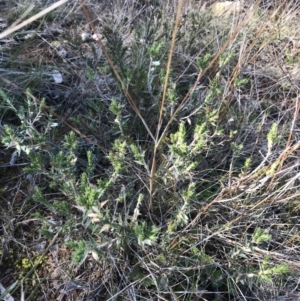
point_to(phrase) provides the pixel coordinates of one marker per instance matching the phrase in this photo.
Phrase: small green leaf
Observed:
(272, 136)
(105, 227)
(90, 73)
(260, 236)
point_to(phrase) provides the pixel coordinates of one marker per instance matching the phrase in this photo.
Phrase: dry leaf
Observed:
(226, 8)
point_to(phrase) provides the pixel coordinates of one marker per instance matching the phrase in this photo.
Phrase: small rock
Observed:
(85, 36)
(63, 53)
(96, 36)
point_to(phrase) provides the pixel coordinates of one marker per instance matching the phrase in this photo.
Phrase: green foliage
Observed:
(39, 197)
(267, 272)
(62, 208)
(138, 155)
(260, 236)
(247, 165)
(90, 195)
(117, 156)
(240, 82)
(90, 163)
(202, 63)
(154, 49)
(95, 104)
(138, 274)
(273, 168)
(115, 108)
(145, 235)
(225, 58)
(178, 145)
(70, 142)
(272, 136)
(79, 250)
(199, 140)
(166, 216)
(37, 163)
(90, 73)
(236, 148)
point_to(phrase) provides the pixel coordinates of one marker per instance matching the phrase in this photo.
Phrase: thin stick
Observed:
(103, 48)
(32, 19)
(153, 165)
(201, 74)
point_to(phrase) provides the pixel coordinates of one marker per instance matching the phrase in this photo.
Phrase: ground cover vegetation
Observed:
(149, 150)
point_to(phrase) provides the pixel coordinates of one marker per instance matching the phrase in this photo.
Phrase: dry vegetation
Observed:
(149, 150)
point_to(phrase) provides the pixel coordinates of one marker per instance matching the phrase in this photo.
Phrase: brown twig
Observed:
(103, 48)
(153, 165)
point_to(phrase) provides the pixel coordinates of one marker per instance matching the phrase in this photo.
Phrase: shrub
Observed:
(171, 175)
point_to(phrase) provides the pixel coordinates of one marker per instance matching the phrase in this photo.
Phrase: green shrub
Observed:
(166, 185)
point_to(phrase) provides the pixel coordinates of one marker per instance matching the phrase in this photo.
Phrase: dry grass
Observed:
(174, 220)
